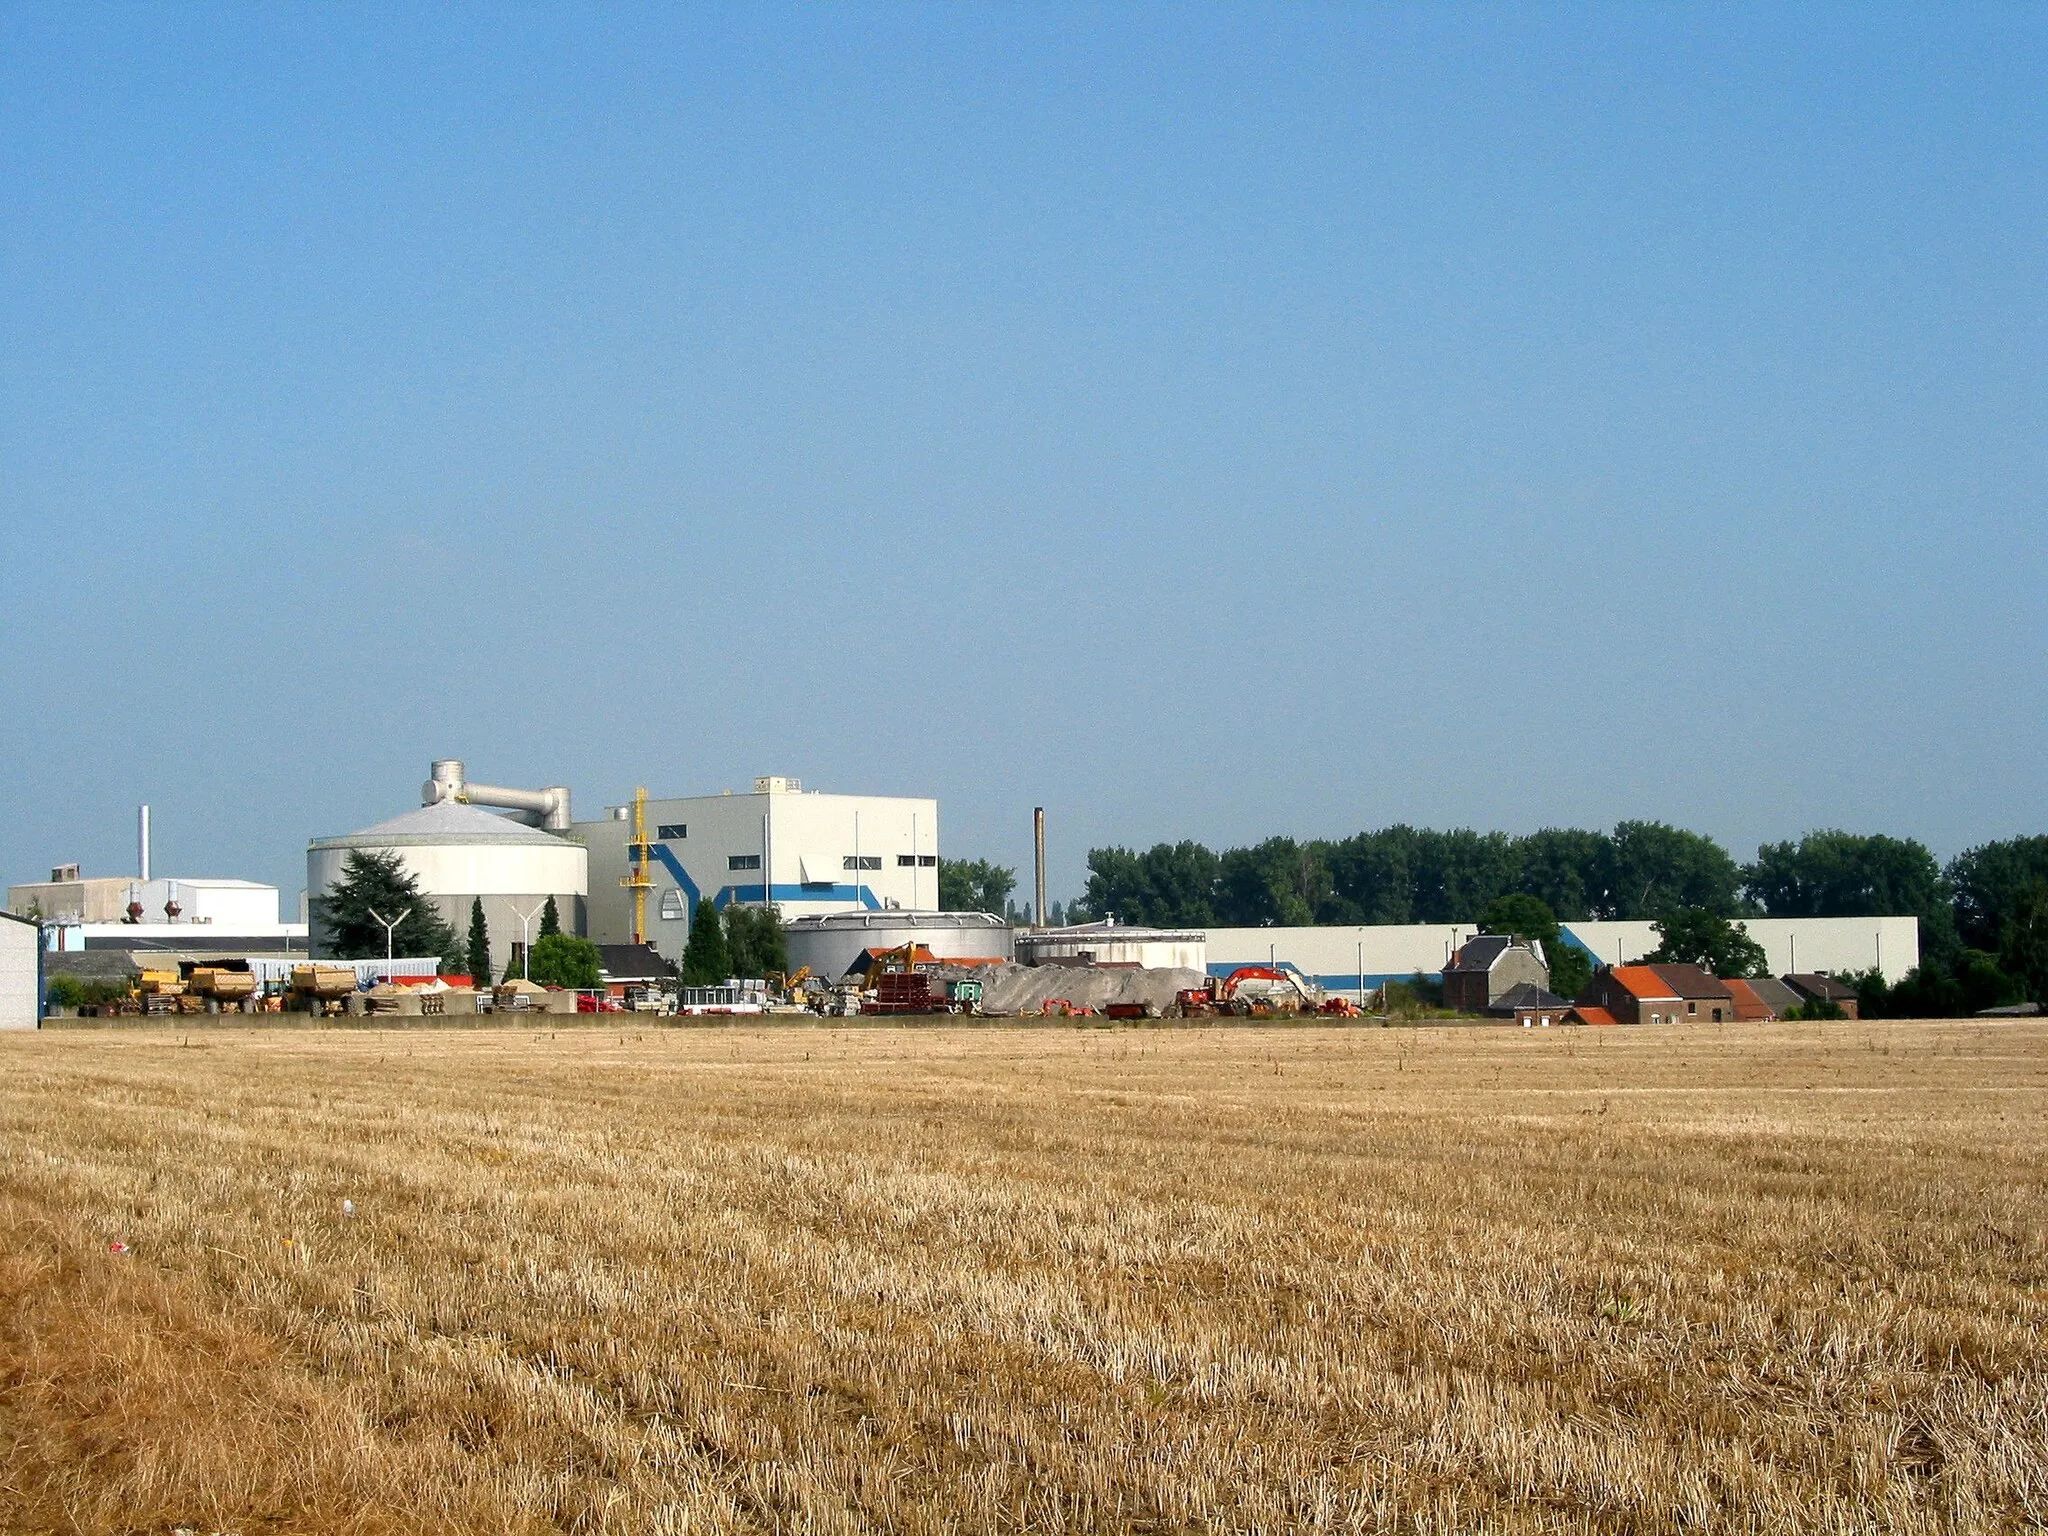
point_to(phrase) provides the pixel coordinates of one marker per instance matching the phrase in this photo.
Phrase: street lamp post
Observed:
(390, 932)
(526, 949)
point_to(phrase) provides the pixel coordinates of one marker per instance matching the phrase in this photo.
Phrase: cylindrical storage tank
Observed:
(1117, 944)
(831, 943)
(459, 854)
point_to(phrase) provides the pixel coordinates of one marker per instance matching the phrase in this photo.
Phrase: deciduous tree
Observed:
(1696, 936)
(563, 960)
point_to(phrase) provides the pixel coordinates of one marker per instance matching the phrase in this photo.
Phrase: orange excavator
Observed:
(1251, 991)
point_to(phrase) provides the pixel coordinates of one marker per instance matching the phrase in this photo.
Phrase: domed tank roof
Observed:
(448, 823)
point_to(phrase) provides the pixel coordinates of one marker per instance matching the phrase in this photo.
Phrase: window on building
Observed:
(865, 861)
(906, 861)
(928, 860)
(672, 831)
(672, 908)
(743, 861)
(917, 861)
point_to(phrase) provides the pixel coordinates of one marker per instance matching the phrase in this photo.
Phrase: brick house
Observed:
(1487, 967)
(1706, 997)
(1633, 994)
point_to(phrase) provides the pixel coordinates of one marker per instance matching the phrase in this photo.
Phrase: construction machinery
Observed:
(160, 991)
(900, 992)
(322, 988)
(221, 989)
(1250, 991)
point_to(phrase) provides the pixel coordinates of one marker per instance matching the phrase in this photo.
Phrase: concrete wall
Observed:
(1333, 957)
(21, 999)
(1833, 944)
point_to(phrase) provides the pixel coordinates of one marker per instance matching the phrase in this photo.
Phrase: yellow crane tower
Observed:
(637, 882)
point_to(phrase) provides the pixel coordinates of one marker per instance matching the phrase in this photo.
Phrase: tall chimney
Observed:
(1038, 844)
(142, 843)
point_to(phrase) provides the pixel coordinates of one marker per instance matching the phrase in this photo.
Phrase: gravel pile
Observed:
(1020, 989)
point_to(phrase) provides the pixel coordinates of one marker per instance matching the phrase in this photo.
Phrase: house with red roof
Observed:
(1634, 994)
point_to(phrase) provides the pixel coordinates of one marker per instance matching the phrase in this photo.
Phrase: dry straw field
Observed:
(1740, 1278)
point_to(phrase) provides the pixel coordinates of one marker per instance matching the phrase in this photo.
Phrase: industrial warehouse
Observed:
(852, 883)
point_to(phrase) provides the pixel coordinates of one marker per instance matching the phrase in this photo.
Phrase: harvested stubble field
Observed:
(1735, 1278)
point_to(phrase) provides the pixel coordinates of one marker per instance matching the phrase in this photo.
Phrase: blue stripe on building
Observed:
(727, 895)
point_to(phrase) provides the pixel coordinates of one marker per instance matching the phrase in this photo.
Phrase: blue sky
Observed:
(1203, 423)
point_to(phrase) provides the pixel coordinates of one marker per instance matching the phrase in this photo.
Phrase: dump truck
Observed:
(160, 991)
(322, 988)
(221, 990)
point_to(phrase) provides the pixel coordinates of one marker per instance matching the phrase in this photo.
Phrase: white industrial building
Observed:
(21, 973)
(68, 899)
(459, 854)
(808, 852)
(1339, 957)
(1114, 943)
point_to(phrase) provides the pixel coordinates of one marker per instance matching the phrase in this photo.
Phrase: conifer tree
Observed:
(550, 920)
(706, 960)
(373, 885)
(479, 957)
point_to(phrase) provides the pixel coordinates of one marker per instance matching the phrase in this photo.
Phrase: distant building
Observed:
(1633, 994)
(807, 852)
(21, 973)
(1705, 996)
(1485, 969)
(1776, 996)
(459, 855)
(1113, 943)
(1750, 1007)
(1816, 988)
(1528, 1004)
(626, 965)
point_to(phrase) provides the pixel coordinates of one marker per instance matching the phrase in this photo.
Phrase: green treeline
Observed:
(1640, 870)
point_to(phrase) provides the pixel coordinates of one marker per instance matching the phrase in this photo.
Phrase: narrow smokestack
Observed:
(142, 843)
(1038, 845)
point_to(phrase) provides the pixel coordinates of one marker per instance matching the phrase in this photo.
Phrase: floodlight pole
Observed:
(390, 930)
(526, 949)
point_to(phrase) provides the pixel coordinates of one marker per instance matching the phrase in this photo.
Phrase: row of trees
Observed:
(745, 941)
(1640, 870)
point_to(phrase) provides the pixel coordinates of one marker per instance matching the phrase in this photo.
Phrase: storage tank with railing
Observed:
(831, 942)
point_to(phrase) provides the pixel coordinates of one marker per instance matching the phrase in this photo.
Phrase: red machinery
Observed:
(1274, 991)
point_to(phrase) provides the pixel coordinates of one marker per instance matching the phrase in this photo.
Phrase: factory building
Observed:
(21, 973)
(242, 906)
(458, 854)
(808, 852)
(68, 897)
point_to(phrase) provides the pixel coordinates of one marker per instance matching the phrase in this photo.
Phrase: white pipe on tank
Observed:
(546, 808)
(142, 843)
